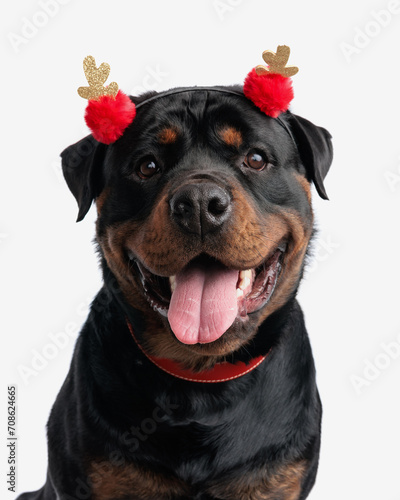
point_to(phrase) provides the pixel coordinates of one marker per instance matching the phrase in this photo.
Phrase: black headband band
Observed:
(188, 89)
(212, 89)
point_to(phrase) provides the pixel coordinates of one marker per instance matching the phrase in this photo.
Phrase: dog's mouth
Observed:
(204, 299)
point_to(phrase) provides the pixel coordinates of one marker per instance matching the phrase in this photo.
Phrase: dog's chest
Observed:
(133, 482)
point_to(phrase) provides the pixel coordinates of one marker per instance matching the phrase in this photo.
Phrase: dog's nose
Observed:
(200, 208)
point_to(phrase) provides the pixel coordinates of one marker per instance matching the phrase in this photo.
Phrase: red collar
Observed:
(222, 372)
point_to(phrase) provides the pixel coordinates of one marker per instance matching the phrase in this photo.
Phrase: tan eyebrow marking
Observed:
(231, 136)
(168, 135)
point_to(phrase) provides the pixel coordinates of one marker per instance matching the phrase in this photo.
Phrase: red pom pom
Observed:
(270, 92)
(109, 116)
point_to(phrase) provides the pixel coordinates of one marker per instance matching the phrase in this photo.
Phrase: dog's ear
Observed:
(82, 168)
(315, 149)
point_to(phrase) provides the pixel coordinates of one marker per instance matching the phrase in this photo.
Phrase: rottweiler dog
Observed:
(193, 376)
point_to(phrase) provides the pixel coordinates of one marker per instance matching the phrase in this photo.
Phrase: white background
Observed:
(350, 296)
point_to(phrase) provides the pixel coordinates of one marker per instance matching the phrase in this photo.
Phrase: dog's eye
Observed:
(147, 169)
(255, 160)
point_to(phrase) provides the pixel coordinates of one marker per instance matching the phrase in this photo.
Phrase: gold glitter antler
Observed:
(96, 77)
(277, 62)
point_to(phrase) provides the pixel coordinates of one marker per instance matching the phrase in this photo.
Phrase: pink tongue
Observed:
(204, 304)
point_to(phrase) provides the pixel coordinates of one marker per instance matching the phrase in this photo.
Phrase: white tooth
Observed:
(245, 278)
(245, 274)
(172, 283)
(246, 282)
(239, 293)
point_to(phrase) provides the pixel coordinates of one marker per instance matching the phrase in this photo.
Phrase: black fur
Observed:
(199, 433)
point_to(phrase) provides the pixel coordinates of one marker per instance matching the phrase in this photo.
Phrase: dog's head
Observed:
(204, 214)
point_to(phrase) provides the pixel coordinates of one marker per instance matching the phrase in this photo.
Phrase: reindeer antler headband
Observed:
(109, 111)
